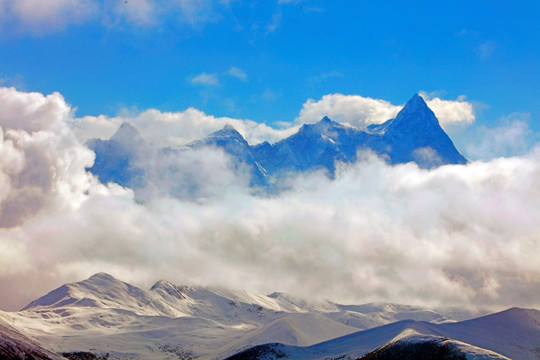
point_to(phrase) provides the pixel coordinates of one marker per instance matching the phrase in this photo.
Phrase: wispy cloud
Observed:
(274, 23)
(237, 73)
(325, 76)
(205, 79)
(511, 136)
(269, 95)
(486, 49)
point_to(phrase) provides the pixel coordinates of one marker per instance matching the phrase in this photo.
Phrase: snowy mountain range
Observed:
(103, 317)
(413, 136)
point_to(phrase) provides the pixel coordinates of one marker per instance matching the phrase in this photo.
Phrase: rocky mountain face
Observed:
(413, 136)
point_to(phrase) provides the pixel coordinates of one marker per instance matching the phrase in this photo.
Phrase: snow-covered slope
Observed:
(15, 345)
(105, 315)
(514, 334)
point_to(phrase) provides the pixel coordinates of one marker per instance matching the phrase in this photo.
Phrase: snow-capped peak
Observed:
(227, 131)
(126, 132)
(326, 119)
(415, 112)
(165, 287)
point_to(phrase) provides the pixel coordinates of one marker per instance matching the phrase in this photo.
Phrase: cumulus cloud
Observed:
(362, 111)
(41, 156)
(454, 235)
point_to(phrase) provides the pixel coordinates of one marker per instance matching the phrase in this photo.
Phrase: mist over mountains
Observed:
(127, 159)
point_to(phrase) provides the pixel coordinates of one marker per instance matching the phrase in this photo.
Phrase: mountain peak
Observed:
(327, 122)
(324, 125)
(416, 99)
(415, 113)
(416, 105)
(102, 276)
(227, 131)
(164, 286)
(326, 119)
(126, 132)
(416, 135)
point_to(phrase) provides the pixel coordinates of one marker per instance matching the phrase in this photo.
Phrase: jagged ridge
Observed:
(413, 136)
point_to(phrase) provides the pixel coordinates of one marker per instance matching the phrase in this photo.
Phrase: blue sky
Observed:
(262, 60)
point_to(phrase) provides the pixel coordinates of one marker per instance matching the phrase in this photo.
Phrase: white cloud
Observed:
(42, 159)
(31, 111)
(362, 111)
(205, 79)
(464, 234)
(237, 73)
(451, 112)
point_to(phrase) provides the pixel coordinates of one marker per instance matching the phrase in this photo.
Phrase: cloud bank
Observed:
(455, 235)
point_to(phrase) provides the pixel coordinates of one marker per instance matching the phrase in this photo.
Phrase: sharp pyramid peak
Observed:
(325, 124)
(416, 102)
(227, 129)
(126, 131)
(415, 111)
(326, 119)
